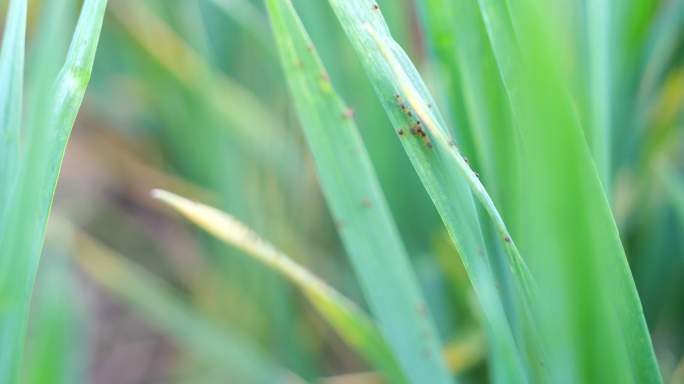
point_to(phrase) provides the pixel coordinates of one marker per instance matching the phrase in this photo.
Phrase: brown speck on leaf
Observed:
(452, 143)
(507, 239)
(348, 113)
(325, 77)
(366, 203)
(429, 105)
(400, 132)
(376, 7)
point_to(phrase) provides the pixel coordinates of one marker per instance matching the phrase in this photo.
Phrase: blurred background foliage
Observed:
(189, 96)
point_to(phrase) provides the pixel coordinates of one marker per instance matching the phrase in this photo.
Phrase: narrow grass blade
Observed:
(517, 265)
(56, 348)
(462, 48)
(48, 48)
(599, 26)
(341, 313)
(588, 287)
(21, 240)
(160, 305)
(422, 111)
(482, 119)
(357, 203)
(443, 171)
(11, 94)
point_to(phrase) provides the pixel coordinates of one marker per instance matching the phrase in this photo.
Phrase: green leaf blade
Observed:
(588, 287)
(21, 243)
(342, 314)
(11, 94)
(445, 175)
(357, 204)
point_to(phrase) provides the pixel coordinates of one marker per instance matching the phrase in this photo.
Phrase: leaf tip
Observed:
(160, 194)
(168, 198)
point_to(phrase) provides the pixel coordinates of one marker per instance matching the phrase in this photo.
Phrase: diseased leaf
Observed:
(443, 171)
(356, 202)
(342, 314)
